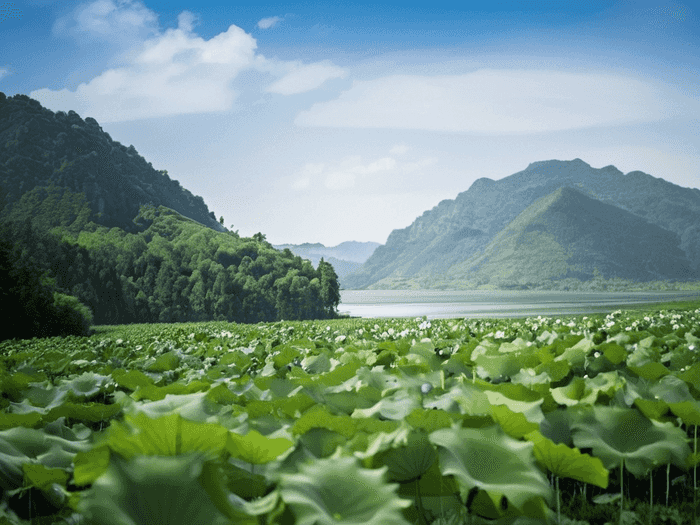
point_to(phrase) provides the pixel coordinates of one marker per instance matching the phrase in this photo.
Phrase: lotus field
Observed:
(586, 419)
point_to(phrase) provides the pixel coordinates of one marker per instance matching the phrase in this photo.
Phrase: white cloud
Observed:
(305, 77)
(168, 73)
(115, 21)
(399, 149)
(497, 101)
(353, 171)
(175, 73)
(267, 23)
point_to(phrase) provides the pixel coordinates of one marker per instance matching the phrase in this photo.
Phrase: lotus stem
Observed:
(695, 478)
(419, 502)
(668, 482)
(651, 495)
(558, 503)
(622, 485)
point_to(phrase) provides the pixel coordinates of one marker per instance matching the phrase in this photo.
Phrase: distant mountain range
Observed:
(555, 222)
(347, 257)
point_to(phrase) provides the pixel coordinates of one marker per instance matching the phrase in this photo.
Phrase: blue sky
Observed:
(321, 122)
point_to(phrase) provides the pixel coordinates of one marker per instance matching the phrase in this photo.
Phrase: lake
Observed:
(490, 303)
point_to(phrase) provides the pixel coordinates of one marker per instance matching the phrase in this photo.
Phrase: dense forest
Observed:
(62, 268)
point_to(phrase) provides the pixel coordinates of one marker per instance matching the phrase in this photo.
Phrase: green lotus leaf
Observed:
(615, 434)
(395, 406)
(45, 395)
(430, 420)
(132, 379)
(652, 408)
(337, 491)
(556, 426)
(574, 393)
(90, 465)
(221, 395)
(565, 462)
(165, 362)
(515, 424)
(36, 475)
(384, 441)
(157, 393)
(650, 371)
(90, 412)
(671, 389)
(576, 355)
(339, 374)
(169, 435)
(463, 399)
(688, 411)
(556, 370)
(691, 376)
(497, 365)
(530, 409)
(319, 417)
(194, 407)
(491, 461)
(256, 448)
(28, 420)
(87, 385)
(411, 460)
(613, 352)
(155, 490)
(529, 378)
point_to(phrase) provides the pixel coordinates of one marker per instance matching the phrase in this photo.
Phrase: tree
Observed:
(330, 288)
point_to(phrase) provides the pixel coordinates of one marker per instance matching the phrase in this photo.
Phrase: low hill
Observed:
(457, 230)
(40, 148)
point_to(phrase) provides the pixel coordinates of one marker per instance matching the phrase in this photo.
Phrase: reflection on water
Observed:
(489, 303)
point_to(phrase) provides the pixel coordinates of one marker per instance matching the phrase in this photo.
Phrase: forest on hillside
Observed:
(91, 233)
(174, 270)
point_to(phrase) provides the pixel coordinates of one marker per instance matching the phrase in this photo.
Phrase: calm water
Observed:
(482, 303)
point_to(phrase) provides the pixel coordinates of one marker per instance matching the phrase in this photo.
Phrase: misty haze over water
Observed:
(493, 303)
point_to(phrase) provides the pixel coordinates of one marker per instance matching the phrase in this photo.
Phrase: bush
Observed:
(72, 316)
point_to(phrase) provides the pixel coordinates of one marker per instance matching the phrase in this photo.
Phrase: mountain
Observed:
(346, 257)
(90, 232)
(437, 249)
(41, 148)
(570, 235)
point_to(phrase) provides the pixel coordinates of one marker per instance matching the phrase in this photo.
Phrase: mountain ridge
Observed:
(43, 148)
(460, 228)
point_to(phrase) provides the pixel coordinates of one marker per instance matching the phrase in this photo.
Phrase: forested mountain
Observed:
(39, 148)
(435, 250)
(345, 258)
(70, 253)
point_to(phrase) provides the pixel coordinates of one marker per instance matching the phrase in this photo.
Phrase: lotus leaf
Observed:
(621, 434)
(491, 461)
(337, 491)
(565, 462)
(154, 490)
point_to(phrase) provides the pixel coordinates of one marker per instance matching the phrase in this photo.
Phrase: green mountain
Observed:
(570, 235)
(40, 148)
(84, 239)
(438, 248)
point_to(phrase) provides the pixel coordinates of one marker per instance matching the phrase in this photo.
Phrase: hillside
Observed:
(346, 257)
(40, 148)
(569, 235)
(458, 230)
(83, 238)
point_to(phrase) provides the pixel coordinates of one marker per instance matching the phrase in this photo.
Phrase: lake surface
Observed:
(487, 303)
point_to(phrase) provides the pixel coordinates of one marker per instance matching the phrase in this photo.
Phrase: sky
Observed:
(330, 122)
